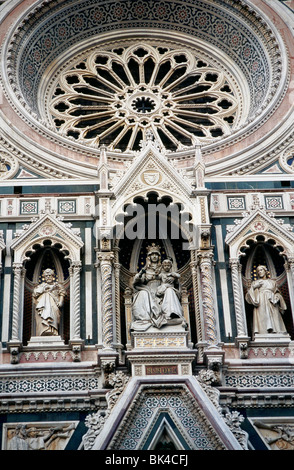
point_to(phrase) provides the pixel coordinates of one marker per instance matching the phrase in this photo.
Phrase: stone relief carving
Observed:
(96, 421)
(8, 165)
(278, 436)
(233, 419)
(156, 300)
(268, 304)
(35, 436)
(208, 380)
(3, 168)
(48, 297)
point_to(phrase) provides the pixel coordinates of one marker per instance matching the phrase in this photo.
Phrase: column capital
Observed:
(75, 266)
(104, 257)
(235, 264)
(17, 267)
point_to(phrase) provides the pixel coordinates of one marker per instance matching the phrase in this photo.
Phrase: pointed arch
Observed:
(152, 218)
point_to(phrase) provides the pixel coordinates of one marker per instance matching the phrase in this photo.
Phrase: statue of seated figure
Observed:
(156, 301)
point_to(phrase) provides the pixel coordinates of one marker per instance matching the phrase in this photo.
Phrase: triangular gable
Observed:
(151, 170)
(254, 223)
(274, 169)
(26, 174)
(46, 227)
(166, 424)
(144, 402)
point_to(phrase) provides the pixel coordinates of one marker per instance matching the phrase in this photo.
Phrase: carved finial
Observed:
(103, 170)
(149, 140)
(199, 168)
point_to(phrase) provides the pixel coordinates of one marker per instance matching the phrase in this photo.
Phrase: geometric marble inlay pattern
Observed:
(48, 384)
(137, 429)
(260, 379)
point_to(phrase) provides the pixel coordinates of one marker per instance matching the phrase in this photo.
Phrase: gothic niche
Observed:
(46, 294)
(266, 293)
(158, 250)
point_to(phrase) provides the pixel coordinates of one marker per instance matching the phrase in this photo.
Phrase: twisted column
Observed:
(106, 259)
(193, 266)
(117, 267)
(75, 299)
(238, 301)
(18, 271)
(289, 267)
(205, 265)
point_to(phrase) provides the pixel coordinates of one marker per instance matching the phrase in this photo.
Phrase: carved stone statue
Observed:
(156, 299)
(268, 304)
(3, 167)
(25, 437)
(48, 297)
(169, 292)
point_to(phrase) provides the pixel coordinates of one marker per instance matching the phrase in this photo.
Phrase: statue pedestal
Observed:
(271, 345)
(272, 338)
(161, 351)
(45, 341)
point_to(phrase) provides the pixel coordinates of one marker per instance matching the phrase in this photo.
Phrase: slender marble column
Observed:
(194, 272)
(106, 261)
(18, 271)
(75, 299)
(289, 267)
(205, 265)
(238, 299)
(117, 267)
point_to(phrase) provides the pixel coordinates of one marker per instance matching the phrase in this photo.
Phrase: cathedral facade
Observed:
(146, 225)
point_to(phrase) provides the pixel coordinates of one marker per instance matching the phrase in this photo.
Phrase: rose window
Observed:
(115, 96)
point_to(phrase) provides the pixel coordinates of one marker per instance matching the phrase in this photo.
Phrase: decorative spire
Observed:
(199, 168)
(149, 141)
(103, 170)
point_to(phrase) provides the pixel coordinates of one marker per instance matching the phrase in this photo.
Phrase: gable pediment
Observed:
(149, 405)
(255, 223)
(47, 227)
(151, 170)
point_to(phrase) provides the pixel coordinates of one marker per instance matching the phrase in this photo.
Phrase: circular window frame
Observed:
(196, 48)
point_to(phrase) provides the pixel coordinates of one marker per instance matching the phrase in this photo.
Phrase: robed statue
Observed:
(156, 301)
(49, 298)
(268, 304)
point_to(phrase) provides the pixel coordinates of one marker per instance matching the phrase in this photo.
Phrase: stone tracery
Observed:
(118, 96)
(114, 96)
